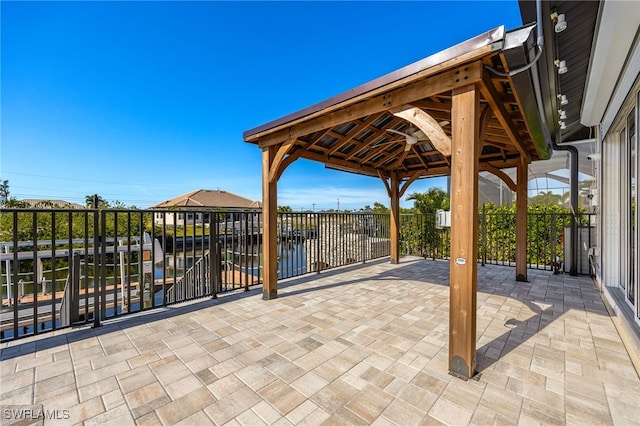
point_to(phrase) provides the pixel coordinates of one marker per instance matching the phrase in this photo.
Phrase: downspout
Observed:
(573, 202)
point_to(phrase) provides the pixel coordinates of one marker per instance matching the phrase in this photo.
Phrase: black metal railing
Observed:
(548, 242)
(37, 266)
(420, 236)
(64, 267)
(312, 242)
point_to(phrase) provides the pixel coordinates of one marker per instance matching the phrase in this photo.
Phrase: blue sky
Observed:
(143, 101)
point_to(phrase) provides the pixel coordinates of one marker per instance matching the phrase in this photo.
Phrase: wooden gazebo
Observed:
(456, 112)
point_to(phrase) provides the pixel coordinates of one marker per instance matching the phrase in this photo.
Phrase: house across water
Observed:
(199, 200)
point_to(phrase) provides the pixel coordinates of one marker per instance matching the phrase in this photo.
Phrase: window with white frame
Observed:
(620, 218)
(632, 194)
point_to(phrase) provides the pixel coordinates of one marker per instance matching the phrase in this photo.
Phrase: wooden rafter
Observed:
(347, 165)
(421, 159)
(356, 131)
(318, 138)
(435, 107)
(485, 118)
(400, 159)
(377, 133)
(375, 151)
(493, 99)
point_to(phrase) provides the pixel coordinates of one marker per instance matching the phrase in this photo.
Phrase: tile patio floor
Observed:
(358, 345)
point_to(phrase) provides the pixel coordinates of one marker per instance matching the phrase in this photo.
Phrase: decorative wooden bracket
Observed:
(429, 126)
(405, 184)
(408, 182)
(279, 162)
(385, 181)
(499, 173)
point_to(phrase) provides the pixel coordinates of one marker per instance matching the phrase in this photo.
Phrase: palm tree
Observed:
(4, 192)
(428, 203)
(431, 201)
(96, 201)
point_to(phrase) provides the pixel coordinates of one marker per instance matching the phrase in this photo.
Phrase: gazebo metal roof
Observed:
(357, 130)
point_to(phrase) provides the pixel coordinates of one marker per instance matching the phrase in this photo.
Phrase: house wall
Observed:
(234, 218)
(177, 218)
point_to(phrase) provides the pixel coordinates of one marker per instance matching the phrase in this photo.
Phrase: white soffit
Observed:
(617, 28)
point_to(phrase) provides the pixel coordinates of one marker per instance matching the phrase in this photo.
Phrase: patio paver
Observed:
(365, 344)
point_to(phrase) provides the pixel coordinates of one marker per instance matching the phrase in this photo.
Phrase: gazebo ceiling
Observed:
(401, 122)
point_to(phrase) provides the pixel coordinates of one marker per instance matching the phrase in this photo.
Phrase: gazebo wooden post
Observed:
(464, 236)
(395, 218)
(521, 221)
(269, 218)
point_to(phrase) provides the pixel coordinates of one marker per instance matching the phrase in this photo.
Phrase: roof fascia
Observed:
(613, 44)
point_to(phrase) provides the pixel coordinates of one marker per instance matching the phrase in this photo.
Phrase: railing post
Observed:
(214, 255)
(364, 235)
(318, 245)
(74, 306)
(34, 288)
(97, 276)
(555, 265)
(244, 236)
(484, 234)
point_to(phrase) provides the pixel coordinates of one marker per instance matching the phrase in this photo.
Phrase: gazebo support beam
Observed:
(392, 185)
(521, 221)
(395, 218)
(270, 219)
(464, 231)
